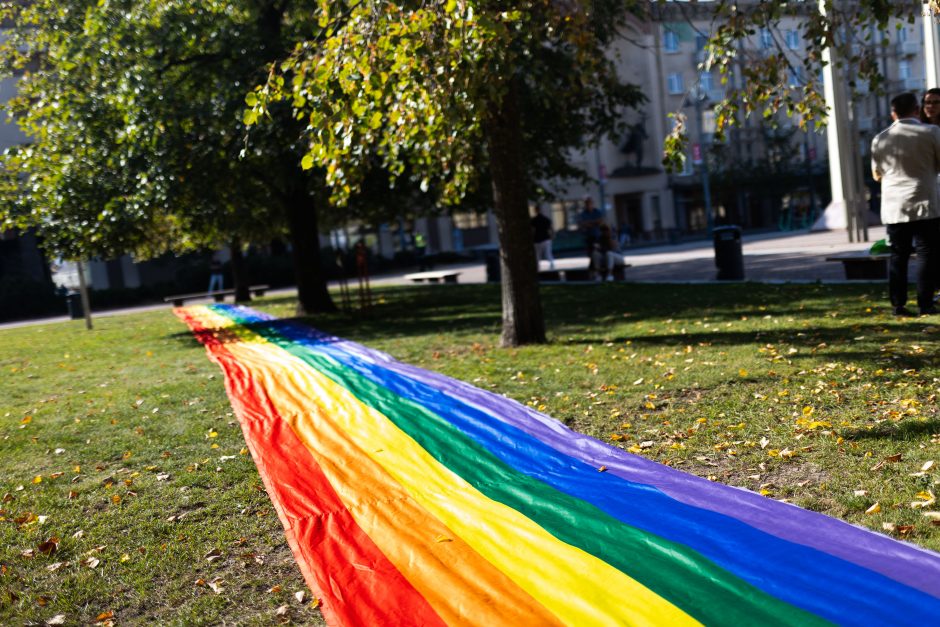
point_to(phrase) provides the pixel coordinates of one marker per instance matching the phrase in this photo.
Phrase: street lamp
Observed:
(699, 99)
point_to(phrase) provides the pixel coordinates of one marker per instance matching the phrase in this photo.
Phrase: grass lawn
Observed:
(127, 493)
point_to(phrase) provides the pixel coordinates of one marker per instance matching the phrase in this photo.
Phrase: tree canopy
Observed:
(427, 86)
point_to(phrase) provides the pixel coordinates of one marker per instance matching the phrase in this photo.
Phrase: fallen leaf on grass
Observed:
(213, 555)
(49, 547)
(42, 601)
(58, 619)
(163, 477)
(216, 585)
(890, 459)
(275, 589)
(90, 562)
(282, 611)
(927, 466)
(874, 509)
(300, 596)
(78, 534)
(54, 567)
(927, 499)
(104, 616)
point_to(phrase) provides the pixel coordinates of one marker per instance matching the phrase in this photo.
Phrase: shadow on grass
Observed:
(901, 430)
(581, 313)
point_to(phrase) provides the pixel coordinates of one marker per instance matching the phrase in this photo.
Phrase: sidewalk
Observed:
(796, 256)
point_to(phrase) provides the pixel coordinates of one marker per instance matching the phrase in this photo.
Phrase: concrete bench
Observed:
(862, 265)
(218, 295)
(584, 273)
(436, 276)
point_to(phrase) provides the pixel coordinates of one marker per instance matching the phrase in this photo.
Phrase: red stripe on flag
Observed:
(337, 559)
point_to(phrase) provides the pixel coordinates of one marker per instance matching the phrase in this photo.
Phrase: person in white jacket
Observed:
(905, 158)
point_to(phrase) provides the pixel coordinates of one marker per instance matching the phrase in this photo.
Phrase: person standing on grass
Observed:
(905, 158)
(542, 235)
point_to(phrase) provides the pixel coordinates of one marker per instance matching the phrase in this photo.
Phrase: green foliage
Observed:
(414, 84)
(132, 114)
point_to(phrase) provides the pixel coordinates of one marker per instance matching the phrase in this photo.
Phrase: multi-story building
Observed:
(761, 175)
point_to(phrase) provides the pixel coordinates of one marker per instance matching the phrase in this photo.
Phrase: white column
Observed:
(845, 210)
(931, 48)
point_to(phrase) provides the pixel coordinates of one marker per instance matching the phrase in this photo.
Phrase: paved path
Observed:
(797, 256)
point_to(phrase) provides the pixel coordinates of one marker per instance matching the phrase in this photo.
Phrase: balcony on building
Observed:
(909, 48)
(912, 83)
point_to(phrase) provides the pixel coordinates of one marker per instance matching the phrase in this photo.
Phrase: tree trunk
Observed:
(523, 322)
(312, 293)
(239, 274)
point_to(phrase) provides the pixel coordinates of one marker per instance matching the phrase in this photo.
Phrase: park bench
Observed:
(436, 276)
(217, 295)
(584, 274)
(862, 265)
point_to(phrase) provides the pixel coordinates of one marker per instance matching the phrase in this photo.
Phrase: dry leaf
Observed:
(54, 567)
(90, 562)
(58, 619)
(49, 547)
(861, 493)
(216, 585)
(300, 596)
(163, 477)
(927, 466)
(213, 555)
(889, 527)
(282, 611)
(103, 616)
(874, 509)
(275, 589)
(78, 534)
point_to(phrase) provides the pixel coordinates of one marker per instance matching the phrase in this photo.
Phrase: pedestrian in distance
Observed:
(216, 278)
(905, 158)
(542, 234)
(589, 223)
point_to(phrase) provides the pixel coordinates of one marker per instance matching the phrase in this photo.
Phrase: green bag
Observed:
(881, 247)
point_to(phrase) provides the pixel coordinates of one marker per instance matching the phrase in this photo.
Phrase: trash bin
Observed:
(493, 274)
(728, 256)
(74, 302)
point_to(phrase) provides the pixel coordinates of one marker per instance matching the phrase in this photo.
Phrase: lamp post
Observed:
(699, 100)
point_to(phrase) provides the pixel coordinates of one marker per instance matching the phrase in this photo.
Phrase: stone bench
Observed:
(437, 276)
(217, 295)
(862, 265)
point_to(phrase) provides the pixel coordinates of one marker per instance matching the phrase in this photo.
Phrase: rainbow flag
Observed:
(409, 498)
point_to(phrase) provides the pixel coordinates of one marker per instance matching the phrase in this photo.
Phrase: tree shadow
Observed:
(901, 430)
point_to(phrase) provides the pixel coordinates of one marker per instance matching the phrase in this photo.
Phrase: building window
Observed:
(469, 219)
(793, 39)
(902, 35)
(670, 41)
(700, 41)
(674, 83)
(795, 77)
(705, 82)
(766, 39)
(904, 70)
